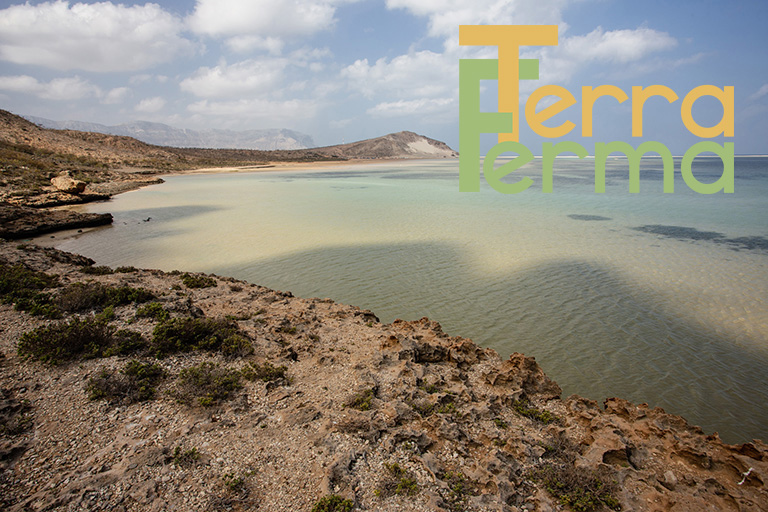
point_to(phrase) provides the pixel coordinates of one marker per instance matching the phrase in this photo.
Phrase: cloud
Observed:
(150, 105)
(247, 78)
(616, 46)
(99, 37)
(414, 75)
(258, 110)
(759, 93)
(406, 108)
(58, 89)
(446, 16)
(116, 95)
(262, 24)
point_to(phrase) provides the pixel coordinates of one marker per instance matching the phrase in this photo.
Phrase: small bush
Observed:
(153, 310)
(197, 281)
(79, 297)
(579, 489)
(362, 401)
(234, 484)
(134, 383)
(187, 334)
(65, 341)
(126, 270)
(333, 503)
(96, 270)
(523, 407)
(24, 287)
(266, 372)
(185, 457)
(397, 481)
(236, 345)
(207, 384)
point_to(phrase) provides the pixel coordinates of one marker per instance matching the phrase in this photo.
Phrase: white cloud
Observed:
(617, 46)
(415, 75)
(262, 24)
(759, 93)
(247, 78)
(116, 95)
(150, 105)
(99, 37)
(58, 89)
(446, 16)
(406, 108)
(258, 110)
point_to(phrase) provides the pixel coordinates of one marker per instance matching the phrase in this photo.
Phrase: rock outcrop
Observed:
(65, 183)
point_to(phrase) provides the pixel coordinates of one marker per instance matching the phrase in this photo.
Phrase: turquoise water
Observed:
(673, 314)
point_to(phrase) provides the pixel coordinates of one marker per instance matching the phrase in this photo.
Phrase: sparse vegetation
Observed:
(524, 408)
(87, 338)
(397, 481)
(459, 490)
(134, 383)
(186, 334)
(197, 281)
(153, 310)
(578, 488)
(96, 270)
(79, 297)
(184, 458)
(363, 400)
(266, 372)
(23, 287)
(333, 503)
(206, 384)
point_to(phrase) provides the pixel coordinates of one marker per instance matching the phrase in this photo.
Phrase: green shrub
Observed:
(96, 270)
(185, 457)
(236, 345)
(207, 384)
(362, 400)
(197, 281)
(524, 408)
(134, 383)
(578, 488)
(79, 297)
(153, 310)
(126, 270)
(24, 287)
(397, 481)
(266, 372)
(186, 334)
(86, 338)
(332, 503)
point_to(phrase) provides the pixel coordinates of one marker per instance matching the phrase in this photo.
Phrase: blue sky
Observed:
(343, 70)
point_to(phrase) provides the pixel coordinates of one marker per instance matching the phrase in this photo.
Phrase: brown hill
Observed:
(394, 145)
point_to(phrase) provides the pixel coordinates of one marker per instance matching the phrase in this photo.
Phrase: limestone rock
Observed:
(67, 184)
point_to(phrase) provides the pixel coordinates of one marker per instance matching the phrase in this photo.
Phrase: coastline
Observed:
(357, 399)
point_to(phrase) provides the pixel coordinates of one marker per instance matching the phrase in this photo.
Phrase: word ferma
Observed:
(508, 69)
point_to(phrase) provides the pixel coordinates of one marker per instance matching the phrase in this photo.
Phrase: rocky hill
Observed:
(394, 145)
(156, 391)
(160, 134)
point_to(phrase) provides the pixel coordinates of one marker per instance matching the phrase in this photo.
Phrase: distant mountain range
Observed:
(164, 135)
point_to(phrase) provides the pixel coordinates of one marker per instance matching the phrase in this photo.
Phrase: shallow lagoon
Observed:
(657, 298)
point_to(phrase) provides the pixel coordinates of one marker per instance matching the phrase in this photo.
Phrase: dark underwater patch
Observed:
(577, 216)
(752, 243)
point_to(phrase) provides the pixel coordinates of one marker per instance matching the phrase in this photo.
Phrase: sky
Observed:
(345, 70)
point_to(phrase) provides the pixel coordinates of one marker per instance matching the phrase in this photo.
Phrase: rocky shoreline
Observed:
(315, 406)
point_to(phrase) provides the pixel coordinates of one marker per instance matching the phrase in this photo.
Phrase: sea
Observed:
(658, 298)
